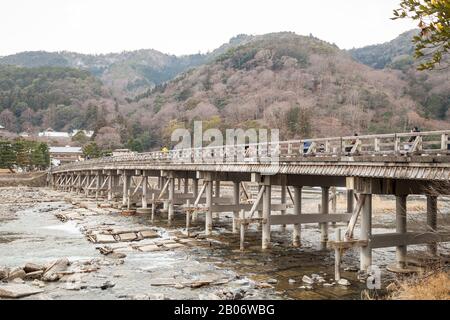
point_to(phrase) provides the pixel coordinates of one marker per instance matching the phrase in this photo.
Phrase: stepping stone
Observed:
(104, 238)
(17, 290)
(148, 234)
(130, 236)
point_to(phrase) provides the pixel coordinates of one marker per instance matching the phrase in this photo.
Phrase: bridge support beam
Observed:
(324, 225)
(195, 195)
(267, 195)
(296, 241)
(432, 221)
(401, 228)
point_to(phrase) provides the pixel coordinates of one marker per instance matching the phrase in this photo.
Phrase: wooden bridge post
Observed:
(296, 241)
(283, 199)
(171, 197)
(110, 185)
(209, 194)
(216, 195)
(126, 178)
(324, 225)
(80, 182)
(144, 190)
(186, 185)
(97, 184)
(366, 232)
(401, 227)
(88, 182)
(432, 221)
(217, 189)
(236, 200)
(350, 201)
(266, 212)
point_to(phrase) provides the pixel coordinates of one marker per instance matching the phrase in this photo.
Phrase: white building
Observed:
(53, 134)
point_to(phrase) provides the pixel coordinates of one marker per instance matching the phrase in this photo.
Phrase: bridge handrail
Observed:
(303, 149)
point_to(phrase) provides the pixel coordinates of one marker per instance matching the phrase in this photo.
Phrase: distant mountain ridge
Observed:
(383, 55)
(128, 72)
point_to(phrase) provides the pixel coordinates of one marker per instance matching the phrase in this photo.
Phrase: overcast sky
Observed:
(187, 26)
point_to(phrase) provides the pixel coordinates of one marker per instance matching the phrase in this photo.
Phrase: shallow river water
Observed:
(30, 232)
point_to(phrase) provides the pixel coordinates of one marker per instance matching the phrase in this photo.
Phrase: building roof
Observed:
(65, 150)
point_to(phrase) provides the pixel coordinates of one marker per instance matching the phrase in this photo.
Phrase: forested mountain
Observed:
(301, 85)
(126, 74)
(430, 89)
(33, 98)
(396, 54)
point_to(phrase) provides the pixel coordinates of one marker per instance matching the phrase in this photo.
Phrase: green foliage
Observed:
(437, 106)
(433, 16)
(298, 121)
(7, 155)
(183, 95)
(80, 137)
(40, 88)
(382, 55)
(91, 151)
(24, 154)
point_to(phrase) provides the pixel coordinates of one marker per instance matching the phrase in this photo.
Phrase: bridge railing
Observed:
(396, 144)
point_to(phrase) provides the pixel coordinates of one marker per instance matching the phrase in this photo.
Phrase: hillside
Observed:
(302, 85)
(395, 54)
(124, 73)
(33, 98)
(430, 89)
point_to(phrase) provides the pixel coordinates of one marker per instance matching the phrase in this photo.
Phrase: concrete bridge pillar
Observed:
(324, 210)
(366, 232)
(432, 221)
(236, 193)
(296, 241)
(267, 195)
(401, 227)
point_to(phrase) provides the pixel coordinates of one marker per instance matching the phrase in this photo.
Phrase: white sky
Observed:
(189, 26)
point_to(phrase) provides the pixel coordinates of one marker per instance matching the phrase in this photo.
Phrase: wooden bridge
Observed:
(386, 164)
